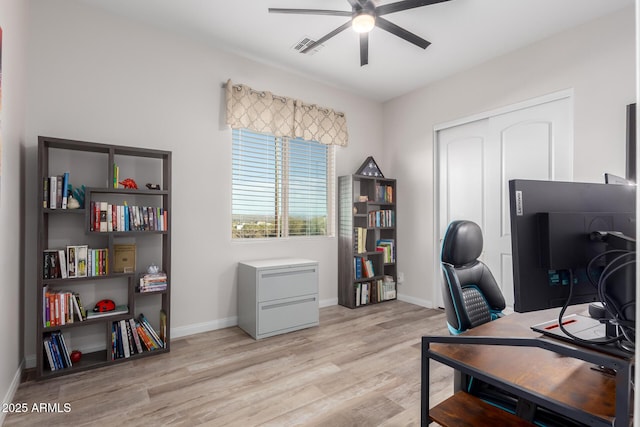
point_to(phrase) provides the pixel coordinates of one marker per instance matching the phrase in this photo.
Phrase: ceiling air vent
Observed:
(303, 43)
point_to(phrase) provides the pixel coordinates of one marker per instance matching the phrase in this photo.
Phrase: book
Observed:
(163, 326)
(64, 350)
(154, 335)
(103, 217)
(65, 185)
(57, 352)
(134, 333)
(132, 345)
(48, 352)
(72, 265)
(81, 260)
(125, 338)
(119, 344)
(59, 191)
(76, 307)
(120, 309)
(124, 260)
(145, 338)
(109, 218)
(53, 189)
(62, 262)
(83, 312)
(45, 192)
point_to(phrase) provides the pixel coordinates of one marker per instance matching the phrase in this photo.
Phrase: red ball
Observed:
(75, 356)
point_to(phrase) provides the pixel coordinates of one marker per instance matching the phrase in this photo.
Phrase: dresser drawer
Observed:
(287, 282)
(287, 314)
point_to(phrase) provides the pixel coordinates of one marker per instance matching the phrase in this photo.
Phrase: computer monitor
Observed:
(551, 226)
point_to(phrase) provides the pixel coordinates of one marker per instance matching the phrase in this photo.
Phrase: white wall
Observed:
(597, 60)
(99, 77)
(13, 15)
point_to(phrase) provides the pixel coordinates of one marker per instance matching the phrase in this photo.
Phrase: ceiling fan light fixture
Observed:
(363, 23)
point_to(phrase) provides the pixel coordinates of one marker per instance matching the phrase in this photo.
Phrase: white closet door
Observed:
(476, 160)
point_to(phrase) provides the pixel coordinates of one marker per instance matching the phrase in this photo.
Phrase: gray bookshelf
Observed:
(91, 164)
(366, 213)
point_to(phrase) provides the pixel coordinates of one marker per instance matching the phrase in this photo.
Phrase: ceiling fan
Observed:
(364, 16)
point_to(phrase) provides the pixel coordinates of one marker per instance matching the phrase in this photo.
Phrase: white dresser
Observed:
(276, 296)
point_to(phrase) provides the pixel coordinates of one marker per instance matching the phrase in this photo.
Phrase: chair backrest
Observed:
(470, 292)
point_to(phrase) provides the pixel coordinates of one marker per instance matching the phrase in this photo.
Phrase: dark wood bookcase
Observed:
(92, 165)
(367, 206)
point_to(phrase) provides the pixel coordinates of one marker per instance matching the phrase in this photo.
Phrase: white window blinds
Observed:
(281, 187)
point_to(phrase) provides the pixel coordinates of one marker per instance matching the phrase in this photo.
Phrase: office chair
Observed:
(470, 292)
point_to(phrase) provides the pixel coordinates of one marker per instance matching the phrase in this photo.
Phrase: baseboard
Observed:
(196, 328)
(416, 301)
(328, 302)
(8, 398)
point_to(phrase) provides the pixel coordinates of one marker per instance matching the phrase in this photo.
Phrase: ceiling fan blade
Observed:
(354, 3)
(364, 49)
(404, 5)
(401, 32)
(321, 40)
(311, 12)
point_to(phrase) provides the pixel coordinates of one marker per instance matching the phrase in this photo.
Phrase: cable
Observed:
(595, 258)
(569, 334)
(602, 287)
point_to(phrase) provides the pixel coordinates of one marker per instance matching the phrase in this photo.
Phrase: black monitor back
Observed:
(550, 224)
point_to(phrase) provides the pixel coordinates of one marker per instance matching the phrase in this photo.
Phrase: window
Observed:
(281, 187)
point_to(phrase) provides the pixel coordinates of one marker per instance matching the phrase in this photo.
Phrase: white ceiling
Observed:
(463, 33)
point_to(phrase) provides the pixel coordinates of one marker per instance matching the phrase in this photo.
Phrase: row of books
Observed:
(375, 291)
(75, 261)
(153, 282)
(384, 193)
(388, 249)
(381, 218)
(359, 240)
(363, 267)
(55, 191)
(61, 308)
(106, 217)
(134, 336)
(56, 351)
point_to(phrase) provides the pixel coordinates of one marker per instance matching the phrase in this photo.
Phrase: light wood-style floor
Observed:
(358, 368)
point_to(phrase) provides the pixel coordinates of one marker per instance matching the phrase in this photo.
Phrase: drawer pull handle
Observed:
(287, 273)
(284, 304)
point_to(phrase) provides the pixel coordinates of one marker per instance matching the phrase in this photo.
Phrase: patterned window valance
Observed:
(264, 112)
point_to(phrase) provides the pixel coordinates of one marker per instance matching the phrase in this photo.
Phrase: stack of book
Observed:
(56, 351)
(388, 248)
(106, 217)
(382, 218)
(133, 336)
(75, 261)
(153, 282)
(61, 307)
(363, 268)
(384, 193)
(55, 191)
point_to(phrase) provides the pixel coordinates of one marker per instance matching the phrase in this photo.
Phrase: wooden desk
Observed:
(548, 373)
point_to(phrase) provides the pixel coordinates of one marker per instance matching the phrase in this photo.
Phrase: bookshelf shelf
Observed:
(367, 237)
(101, 339)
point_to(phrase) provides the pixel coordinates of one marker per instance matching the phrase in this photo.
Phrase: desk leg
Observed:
(623, 395)
(424, 387)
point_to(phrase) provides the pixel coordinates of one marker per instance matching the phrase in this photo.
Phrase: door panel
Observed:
(464, 178)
